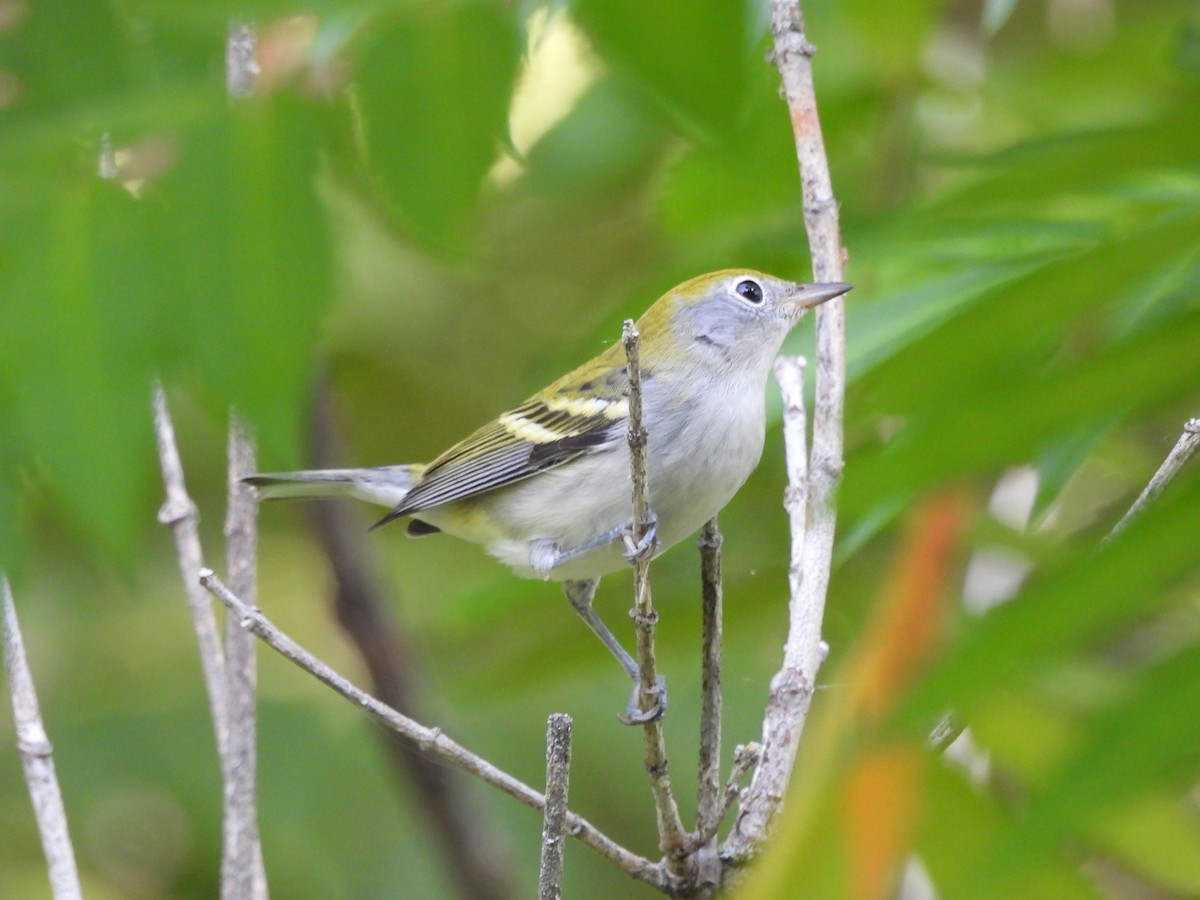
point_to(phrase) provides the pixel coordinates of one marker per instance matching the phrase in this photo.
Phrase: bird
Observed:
(545, 486)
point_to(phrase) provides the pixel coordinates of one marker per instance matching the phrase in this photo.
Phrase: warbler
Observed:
(545, 487)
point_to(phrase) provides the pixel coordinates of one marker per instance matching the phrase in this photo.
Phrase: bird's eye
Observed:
(750, 291)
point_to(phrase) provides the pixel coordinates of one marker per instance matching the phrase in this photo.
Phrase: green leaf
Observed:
(433, 86)
(78, 357)
(1156, 835)
(1060, 460)
(961, 824)
(891, 45)
(12, 462)
(972, 399)
(696, 65)
(1140, 742)
(1081, 161)
(607, 139)
(243, 241)
(1078, 599)
(66, 55)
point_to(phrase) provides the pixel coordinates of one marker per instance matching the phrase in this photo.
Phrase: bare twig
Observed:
(672, 838)
(37, 759)
(107, 165)
(644, 616)
(554, 819)
(709, 807)
(243, 874)
(180, 514)
(710, 541)
(745, 758)
(472, 848)
(791, 688)
(431, 740)
(241, 62)
(789, 374)
(1187, 445)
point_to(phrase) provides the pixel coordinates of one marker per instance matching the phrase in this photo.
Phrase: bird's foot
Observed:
(641, 549)
(635, 715)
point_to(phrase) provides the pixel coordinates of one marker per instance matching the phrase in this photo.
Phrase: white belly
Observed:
(697, 462)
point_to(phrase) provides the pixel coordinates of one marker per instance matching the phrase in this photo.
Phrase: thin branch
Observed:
(708, 802)
(644, 616)
(181, 515)
(789, 375)
(791, 688)
(473, 851)
(554, 820)
(1187, 445)
(243, 874)
(107, 166)
(37, 759)
(241, 61)
(745, 758)
(671, 834)
(431, 740)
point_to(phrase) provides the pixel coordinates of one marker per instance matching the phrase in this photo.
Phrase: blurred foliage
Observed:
(444, 205)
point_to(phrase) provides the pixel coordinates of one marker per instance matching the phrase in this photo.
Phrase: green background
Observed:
(1020, 198)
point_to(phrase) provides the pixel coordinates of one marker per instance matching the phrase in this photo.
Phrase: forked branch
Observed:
(813, 533)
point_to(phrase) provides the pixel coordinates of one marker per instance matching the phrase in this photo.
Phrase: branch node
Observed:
(644, 619)
(177, 509)
(40, 748)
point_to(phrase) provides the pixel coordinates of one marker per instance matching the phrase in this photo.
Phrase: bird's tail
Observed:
(384, 485)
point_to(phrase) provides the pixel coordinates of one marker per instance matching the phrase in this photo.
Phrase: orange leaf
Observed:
(906, 628)
(879, 810)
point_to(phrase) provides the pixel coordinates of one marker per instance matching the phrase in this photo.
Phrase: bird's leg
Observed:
(547, 555)
(580, 594)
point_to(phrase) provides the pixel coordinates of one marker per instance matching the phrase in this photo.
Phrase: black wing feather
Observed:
(495, 456)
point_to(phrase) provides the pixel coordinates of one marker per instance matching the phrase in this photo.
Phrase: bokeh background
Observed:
(435, 208)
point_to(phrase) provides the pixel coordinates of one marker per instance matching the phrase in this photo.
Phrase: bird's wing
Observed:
(580, 413)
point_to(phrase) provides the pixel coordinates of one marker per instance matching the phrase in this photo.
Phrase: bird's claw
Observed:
(635, 715)
(643, 549)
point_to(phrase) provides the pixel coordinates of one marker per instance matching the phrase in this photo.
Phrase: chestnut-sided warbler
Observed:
(545, 487)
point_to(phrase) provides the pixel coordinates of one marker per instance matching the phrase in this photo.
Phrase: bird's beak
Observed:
(809, 295)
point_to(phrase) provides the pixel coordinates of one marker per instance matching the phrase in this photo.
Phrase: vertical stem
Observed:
(554, 820)
(789, 374)
(243, 874)
(242, 871)
(672, 838)
(241, 61)
(792, 686)
(180, 514)
(709, 799)
(37, 759)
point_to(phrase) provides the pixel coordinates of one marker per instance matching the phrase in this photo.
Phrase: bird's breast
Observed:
(701, 456)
